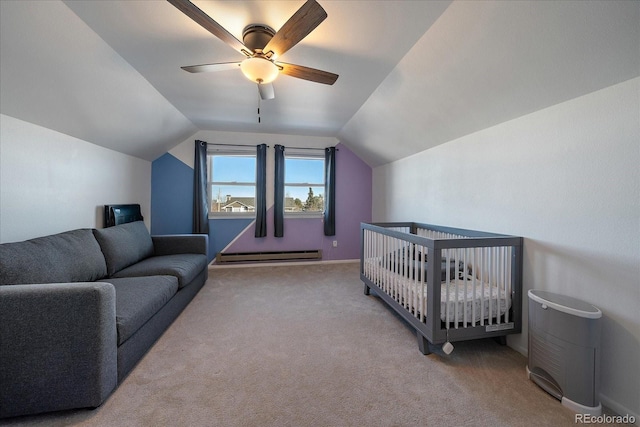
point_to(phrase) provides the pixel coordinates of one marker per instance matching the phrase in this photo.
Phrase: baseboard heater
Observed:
(269, 256)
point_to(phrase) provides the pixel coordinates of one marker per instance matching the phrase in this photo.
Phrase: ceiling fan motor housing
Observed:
(256, 36)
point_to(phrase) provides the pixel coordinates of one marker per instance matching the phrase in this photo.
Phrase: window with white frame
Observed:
(231, 179)
(303, 184)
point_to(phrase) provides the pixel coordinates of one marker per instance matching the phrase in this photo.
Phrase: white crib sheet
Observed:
(489, 302)
(469, 310)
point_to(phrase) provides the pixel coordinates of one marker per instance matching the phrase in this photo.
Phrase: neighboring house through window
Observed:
(231, 176)
(232, 182)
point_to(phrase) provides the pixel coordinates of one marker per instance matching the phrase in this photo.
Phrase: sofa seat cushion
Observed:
(185, 267)
(138, 299)
(124, 245)
(72, 256)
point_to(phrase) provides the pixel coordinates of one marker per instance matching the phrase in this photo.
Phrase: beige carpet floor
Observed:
(303, 346)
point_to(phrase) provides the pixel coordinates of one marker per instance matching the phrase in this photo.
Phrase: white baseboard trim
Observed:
(214, 266)
(619, 409)
(522, 350)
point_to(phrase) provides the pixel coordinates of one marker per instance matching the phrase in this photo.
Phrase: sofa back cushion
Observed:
(72, 256)
(124, 245)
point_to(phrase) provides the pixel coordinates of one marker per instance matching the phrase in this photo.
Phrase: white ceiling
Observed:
(484, 63)
(413, 74)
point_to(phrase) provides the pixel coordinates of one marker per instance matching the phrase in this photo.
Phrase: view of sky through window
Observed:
(233, 169)
(232, 179)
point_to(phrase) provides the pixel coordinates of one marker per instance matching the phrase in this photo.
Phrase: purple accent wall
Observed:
(353, 205)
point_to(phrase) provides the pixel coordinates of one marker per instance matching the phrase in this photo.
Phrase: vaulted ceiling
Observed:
(413, 74)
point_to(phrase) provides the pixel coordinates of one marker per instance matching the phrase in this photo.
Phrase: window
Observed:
(232, 183)
(303, 184)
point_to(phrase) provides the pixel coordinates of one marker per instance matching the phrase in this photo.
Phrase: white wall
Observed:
(51, 182)
(567, 179)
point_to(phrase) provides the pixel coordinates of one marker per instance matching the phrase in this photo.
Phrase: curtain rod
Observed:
(307, 148)
(268, 146)
(235, 145)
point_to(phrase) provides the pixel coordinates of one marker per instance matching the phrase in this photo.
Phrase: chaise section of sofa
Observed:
(70, 330)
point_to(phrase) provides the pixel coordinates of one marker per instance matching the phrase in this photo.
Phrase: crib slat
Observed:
(507, 281)
(491, 281)
(463, 277)
(483, 284)
(501, 282)
(473, 285)
(423, 298)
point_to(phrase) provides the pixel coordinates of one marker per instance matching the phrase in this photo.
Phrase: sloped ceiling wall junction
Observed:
(56, 72)
(485, 63)
(109, 72)
(412, 74)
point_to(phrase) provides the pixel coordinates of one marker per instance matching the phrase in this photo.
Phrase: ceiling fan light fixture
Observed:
(259, 70)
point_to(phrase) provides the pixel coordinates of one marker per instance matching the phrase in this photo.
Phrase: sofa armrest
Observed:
(180, 244)
(58, 346)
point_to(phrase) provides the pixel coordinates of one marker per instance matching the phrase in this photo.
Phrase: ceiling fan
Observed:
(261, 46)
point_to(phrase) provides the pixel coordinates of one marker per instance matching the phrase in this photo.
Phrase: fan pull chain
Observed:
(258, 105)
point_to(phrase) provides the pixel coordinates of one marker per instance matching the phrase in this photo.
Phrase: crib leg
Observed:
(501, 340)
(423, 344)
(366, 289)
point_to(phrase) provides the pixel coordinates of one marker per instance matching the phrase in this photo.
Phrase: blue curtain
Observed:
(261, 190)
(278, 192)
(200, 199)
(330, 191)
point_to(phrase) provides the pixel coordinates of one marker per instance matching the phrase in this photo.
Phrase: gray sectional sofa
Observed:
(79, 309)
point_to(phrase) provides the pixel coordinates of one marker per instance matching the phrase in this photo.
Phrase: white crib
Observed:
(478, 278)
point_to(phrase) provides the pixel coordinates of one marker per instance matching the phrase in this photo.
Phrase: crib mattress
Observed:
(472, 304)
(480, 303)
(483, 301)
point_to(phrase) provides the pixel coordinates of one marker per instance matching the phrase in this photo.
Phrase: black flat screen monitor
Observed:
(120, 214)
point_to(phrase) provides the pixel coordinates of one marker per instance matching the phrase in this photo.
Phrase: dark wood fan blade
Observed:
(307, 73)
(305, 20)
(206, 22)
(208, 68)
